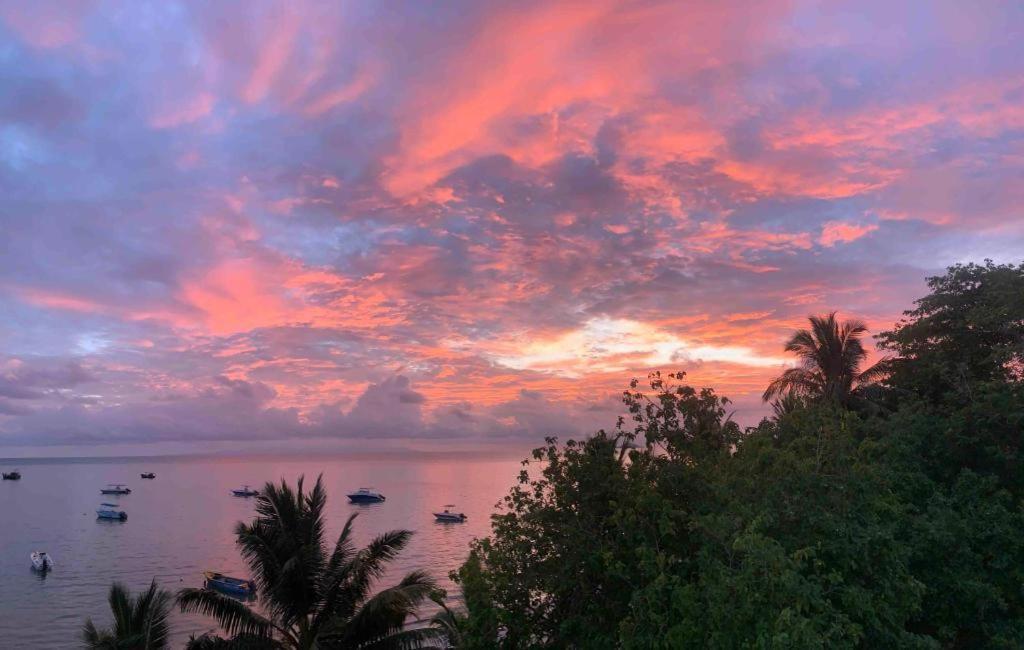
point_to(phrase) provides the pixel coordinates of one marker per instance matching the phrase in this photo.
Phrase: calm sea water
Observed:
(180, 524)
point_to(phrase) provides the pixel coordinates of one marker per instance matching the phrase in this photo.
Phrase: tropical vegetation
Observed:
(879, 507)
(312, 596)
(140, 622)
(830, 354)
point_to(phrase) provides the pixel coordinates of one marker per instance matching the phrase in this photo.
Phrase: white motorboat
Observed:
(366, 495)
(41, 561)
(115, 488)
(450, 517)
(110, 511)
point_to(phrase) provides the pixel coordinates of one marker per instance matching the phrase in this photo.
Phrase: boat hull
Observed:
(448, 518)
(114, 515)
(242, 493)
(366, 498)
(115, 491)
(13, 476)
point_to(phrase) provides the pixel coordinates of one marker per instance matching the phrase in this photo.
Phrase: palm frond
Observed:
(97, 639)
(355, 577)
(800, 381)
(423, 637)
(877, 372)
(385, 613)
(150, 616)
(235, 617)
(335, 575)
(237, 642)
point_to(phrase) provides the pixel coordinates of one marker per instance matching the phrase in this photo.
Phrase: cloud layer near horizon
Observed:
(471, 221)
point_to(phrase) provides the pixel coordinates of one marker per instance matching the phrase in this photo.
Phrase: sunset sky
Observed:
(377, 224)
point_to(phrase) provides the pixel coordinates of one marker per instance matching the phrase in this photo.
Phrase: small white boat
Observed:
(115, 488)
(450, 517)
(366, 495)
(245, 491)
(41, 561)
(110, 511)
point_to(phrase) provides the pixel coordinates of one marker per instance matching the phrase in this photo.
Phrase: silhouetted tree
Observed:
(830, 354)
(140, 623)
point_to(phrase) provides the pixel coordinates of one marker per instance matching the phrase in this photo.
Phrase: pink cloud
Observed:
(842, 232)
(272, 54)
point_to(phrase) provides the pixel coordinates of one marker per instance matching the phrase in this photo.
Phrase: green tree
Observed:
(968, 330)
(140, 623)
(830, 354)
(313, 598)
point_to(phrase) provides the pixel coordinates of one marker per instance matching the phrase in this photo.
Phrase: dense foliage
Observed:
(891, 521)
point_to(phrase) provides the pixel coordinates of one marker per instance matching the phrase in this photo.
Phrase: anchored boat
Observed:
(12, 476)
(366, 495)
(450, 517)
(41, 561)
(148, 475)
(110, 511)
(115, 488)
(239, 587)
(245, 491)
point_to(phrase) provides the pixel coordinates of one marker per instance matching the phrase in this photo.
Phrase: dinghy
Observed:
(41, 561)
(238, 587)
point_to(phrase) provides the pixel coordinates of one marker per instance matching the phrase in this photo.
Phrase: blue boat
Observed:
(238, 587)
(366, 495)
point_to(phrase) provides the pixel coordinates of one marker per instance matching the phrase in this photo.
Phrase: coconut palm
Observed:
(787, 402)
(312, 598)
(140, 623)
(831, 354)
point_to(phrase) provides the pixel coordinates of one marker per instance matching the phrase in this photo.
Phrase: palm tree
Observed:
(312, 598)
(830, 354)
(787, 402)
(446, 621)
(140, 623)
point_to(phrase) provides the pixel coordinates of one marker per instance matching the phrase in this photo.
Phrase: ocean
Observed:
(180, 524)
